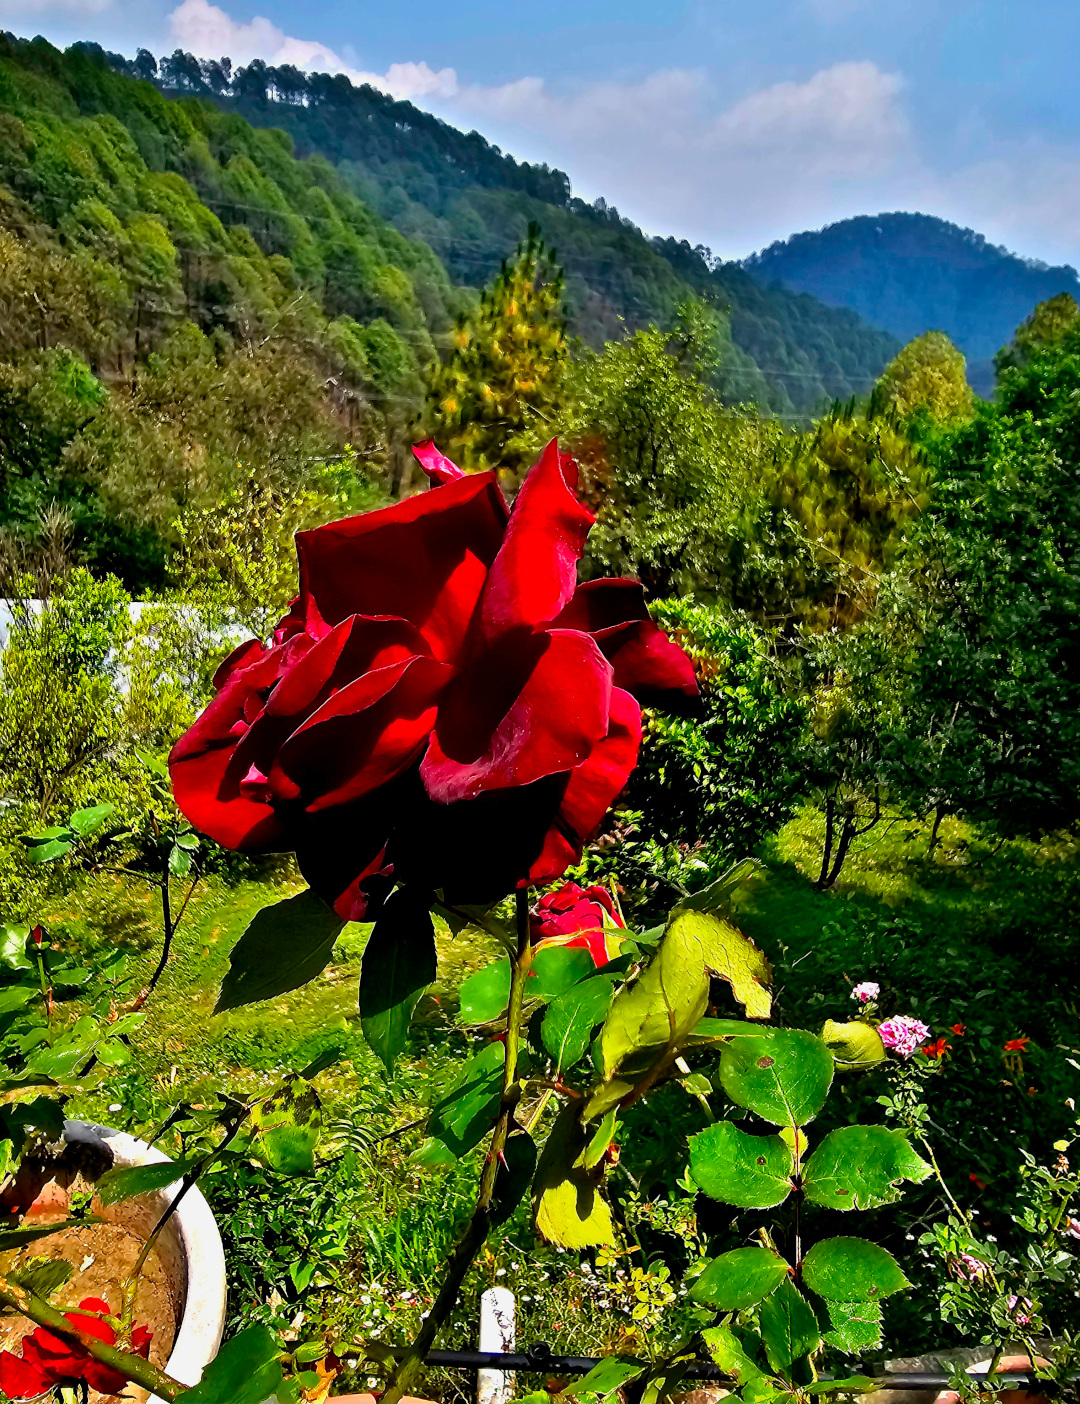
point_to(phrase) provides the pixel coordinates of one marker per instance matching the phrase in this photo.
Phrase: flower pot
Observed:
(182, 1296)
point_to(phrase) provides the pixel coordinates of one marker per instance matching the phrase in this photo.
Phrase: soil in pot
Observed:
(102, 1255)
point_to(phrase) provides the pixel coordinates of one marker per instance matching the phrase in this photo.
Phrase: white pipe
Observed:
(497, 1313)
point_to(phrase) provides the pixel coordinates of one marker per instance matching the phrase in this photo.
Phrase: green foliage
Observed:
(285, 945)
(927, 376)
(664, 465)
(502, 382)
(848, 491)
(1050, 323)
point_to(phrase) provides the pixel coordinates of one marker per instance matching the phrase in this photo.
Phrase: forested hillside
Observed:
(473, 204)
(186, 310)
(911, 273)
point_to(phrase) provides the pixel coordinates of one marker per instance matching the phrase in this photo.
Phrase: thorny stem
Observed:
(131, 1282)
(472, 1240)
(124, 1362)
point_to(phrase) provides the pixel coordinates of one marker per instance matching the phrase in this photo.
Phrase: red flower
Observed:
(47, 1360)
(1016, 1045)
(579, 916)
(979, 1184)
(442, 707)
(959, 1030)
(935, 1049)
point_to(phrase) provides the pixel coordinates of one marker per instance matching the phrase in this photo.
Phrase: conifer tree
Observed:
(928, 375)
(490, 400)
(850, 487)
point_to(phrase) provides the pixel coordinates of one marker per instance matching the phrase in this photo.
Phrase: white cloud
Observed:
(208, 32)
(674, 155)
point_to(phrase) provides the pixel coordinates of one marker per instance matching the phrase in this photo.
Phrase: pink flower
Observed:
(1073, 1229)
(1020, 1309)
(903, 1034)
(865, 992)
(971, 1268)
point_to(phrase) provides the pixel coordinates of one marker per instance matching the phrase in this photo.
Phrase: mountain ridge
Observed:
(917, 272)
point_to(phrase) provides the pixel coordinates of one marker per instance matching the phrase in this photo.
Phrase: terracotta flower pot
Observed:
(182, 1292)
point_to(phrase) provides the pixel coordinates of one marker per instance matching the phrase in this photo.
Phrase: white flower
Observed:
(865, 992)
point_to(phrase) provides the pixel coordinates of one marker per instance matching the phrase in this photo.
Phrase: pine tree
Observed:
(850, 487)
(928, 375)
(490, 400)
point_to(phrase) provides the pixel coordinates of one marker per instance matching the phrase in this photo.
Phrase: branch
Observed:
(472, 1240)
(124, 1362)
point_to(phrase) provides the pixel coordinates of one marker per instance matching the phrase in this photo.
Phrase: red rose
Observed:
(47, 1360)
(579, 916)
(443, 706)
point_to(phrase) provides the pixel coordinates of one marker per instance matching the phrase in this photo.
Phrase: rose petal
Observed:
(646, 662)
(559, 714)
(365, 735)
(206, 775)
(535, 572)
(591, 790)
(435, 464)
(21, 1379)
(425, 559)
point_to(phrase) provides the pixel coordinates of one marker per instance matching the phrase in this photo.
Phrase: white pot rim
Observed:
(202, 1320)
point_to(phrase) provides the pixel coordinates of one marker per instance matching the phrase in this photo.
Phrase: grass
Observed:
(976, 935)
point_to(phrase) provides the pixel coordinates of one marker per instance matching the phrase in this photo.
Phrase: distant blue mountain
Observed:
(910, 273)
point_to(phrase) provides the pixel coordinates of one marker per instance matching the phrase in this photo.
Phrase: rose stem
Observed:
(132, 1367)
(472, 1240)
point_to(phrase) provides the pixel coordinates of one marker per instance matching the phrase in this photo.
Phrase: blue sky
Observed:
(730, 124)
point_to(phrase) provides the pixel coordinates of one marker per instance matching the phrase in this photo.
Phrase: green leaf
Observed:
(783, 1075)
(788, 1327)
(728, 891)
(658, 1009)
(852, 1270)
(739, 1279)
(43, 836)
(846, 1384)
(14, 997)
(398, 965)
(566, 1031)
(854, 1046)
(731, 956)
(607, 1376)
(467, 1113)
(246, 1370)
(751, 1172)
(179, 861)
(568, 1207)
(189, 841)
(555, 969)
(13, 948)
(854, 1326)
(125, 1181)
(113, 1054)
(20, 1237)
(859, 1167)
(87, 821)
(717, 1030)
(730, 1355)
(57, 1063)
(50, 850)
(287, 1126)
(284, 946)
(484, 995)
(600, 1140)
(514, 1176)
(43, 1275)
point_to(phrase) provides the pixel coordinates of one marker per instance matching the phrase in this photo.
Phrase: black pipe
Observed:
(540, 1358)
